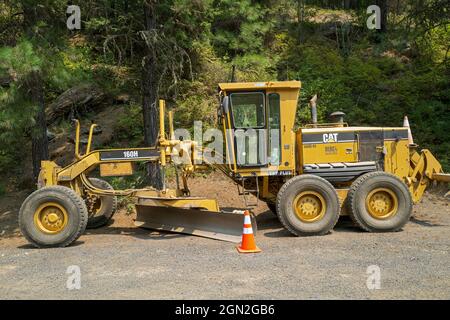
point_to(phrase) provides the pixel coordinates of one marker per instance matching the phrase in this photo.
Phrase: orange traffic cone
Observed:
(406, 124)
(248, 244)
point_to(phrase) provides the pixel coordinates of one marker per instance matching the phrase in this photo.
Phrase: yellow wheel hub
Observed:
(382, 203)
(309, 206)
(50, 218)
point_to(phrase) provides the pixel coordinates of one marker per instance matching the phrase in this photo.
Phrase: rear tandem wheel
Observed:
(379, 202)
(100, 208)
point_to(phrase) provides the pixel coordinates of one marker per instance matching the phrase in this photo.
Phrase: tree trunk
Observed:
(347, 4)
(300, 18)
(39, 141)
(149, 99)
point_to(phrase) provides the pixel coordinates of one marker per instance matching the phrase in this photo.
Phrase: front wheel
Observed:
(308, 205)
(53, 216)
(379, 202)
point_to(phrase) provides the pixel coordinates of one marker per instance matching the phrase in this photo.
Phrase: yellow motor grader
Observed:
(308, 176)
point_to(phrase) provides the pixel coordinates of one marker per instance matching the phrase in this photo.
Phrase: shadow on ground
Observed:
(425, 223)
(136, 232)
(269, 221)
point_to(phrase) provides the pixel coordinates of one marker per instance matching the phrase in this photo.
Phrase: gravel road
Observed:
(123, 262)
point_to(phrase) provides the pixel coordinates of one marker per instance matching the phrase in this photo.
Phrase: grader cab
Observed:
(308, 176)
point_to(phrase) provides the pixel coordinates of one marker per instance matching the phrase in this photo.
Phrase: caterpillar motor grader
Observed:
(308, 176)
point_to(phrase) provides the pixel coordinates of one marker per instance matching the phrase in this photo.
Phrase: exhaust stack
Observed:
(313, 104)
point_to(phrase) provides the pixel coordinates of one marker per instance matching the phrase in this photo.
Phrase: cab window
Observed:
(274, 129)
(248, 109)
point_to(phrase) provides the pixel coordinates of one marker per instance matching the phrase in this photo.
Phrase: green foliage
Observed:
(239, 27)
(16, 111)
(20, 60)
(130, 127)
(2, 189)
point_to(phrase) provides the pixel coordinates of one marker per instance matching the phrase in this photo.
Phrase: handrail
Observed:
(91, 132)
(77, 138)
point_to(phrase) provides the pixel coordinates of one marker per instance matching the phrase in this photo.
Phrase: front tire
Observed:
(53, 216)
(379, 202)
(308, 205)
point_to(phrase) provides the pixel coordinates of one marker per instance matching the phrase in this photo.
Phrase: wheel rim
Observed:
(382, 203)
(309, 206)
(50, 218)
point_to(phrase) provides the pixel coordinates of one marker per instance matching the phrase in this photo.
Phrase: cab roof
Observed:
(259, 85)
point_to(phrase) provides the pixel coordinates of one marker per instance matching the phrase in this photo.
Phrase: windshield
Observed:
(248, 109)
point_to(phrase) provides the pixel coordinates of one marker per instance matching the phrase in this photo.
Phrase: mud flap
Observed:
(224, 226)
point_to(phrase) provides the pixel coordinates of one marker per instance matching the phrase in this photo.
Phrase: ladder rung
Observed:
(246, 192)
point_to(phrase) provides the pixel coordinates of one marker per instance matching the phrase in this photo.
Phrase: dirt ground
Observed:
(121, 261)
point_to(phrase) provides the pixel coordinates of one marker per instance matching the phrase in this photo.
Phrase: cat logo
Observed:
(330, 137)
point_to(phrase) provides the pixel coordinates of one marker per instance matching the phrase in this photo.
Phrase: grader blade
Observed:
(224, 226)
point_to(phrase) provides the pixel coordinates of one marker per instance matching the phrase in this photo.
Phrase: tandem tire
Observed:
(308, 205)
(53, 216)
(379, 202)
(104, 207)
